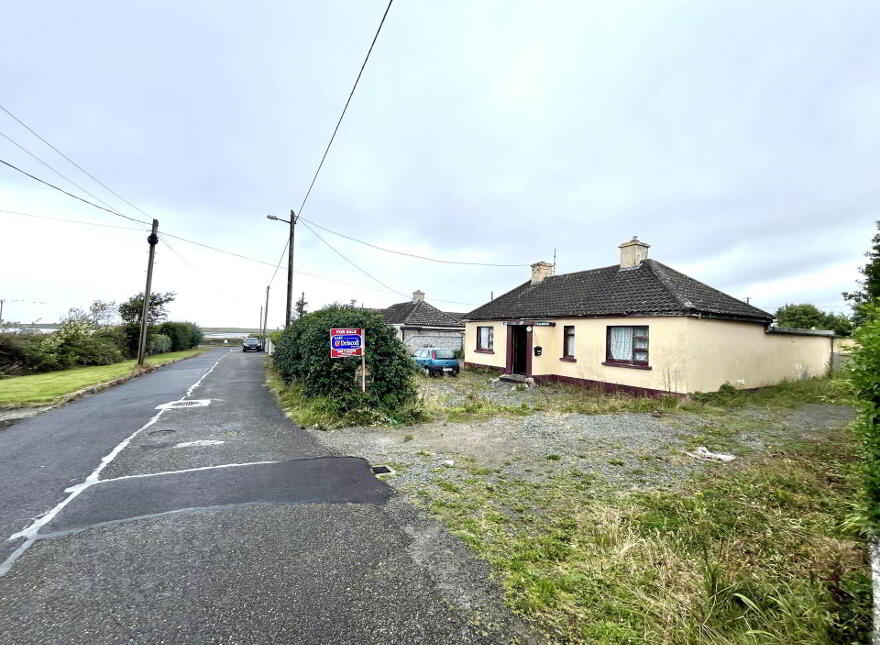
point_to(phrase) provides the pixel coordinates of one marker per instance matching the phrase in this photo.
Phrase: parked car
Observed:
(252, 345)
(435, 361)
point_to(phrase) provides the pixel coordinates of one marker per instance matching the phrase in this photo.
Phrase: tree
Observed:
(130, 310)
(869, 288)
(807, 316)
(103, 313)
(301, 305)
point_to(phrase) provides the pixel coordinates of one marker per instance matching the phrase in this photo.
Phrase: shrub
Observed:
(865, 380)
(19, 353)
(73, 345)
(302, 355)
(183, 335)
(158, 344)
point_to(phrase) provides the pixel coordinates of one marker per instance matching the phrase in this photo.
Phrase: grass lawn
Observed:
(35, 389)
(762, 550)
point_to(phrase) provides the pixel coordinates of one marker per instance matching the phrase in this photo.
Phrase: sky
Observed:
(739, 139)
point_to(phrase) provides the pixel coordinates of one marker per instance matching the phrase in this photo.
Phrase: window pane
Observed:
(640, 343)
(640, 331)
(640, 356)
(491, 336)
(621, 340)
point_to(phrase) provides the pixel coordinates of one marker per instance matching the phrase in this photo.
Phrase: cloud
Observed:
(738, 139)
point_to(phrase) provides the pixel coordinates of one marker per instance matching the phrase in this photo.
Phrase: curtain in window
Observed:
(621, 343)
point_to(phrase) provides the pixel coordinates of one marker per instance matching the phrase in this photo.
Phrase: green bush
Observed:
(302, 355)
(865, 379)
(19, 353)
(158, 344)
(183, 335)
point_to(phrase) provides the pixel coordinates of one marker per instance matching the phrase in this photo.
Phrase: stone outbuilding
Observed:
(420, 324)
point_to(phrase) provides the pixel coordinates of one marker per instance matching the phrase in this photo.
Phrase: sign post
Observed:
(346, 342)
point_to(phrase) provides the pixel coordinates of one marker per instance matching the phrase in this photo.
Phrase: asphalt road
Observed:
(220, 522)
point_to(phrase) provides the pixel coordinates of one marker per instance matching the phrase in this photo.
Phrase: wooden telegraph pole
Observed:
(152, 240)
(266, 319)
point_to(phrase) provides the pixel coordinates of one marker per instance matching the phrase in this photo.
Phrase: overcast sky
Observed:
(739, 139)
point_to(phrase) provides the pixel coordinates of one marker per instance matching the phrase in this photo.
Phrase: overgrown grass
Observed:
(751, 553)
(472, 401)
(37, 389)
(322, 413)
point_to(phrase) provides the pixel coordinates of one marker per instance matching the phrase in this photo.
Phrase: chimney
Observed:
(541, 270)
(418, 296)
(633, 252)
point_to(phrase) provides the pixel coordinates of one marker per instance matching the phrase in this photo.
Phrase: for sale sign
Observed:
(346, 342)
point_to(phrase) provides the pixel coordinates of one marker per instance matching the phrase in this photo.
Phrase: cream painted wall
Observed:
(499, 358)
(746, 356)
(667, 352)
(685, 354)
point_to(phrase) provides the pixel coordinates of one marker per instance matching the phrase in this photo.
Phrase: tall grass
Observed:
(754, 553)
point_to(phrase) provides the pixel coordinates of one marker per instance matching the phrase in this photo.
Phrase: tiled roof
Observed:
(651, 288)
(419, 314)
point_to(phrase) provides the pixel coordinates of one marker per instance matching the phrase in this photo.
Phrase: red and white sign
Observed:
(345, 342)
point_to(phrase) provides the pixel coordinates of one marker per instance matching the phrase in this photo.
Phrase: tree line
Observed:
(104, 333)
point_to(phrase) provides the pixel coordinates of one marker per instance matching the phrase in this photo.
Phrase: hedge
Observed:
(302, 355)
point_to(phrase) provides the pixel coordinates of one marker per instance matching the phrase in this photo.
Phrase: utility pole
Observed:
(152, 240)
(266, 318)
(1, 309)
(289, 314)
(262, 335)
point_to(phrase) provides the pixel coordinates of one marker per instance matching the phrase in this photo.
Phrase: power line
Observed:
(52, 168)
(71, 221)
(411, 255)
(333, 135)
(69, 194)
(83, 170)
(370, 276)
(345, 107)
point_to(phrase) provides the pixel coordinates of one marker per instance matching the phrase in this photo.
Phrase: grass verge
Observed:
(322, 413)
(750, 553)
(44, 389)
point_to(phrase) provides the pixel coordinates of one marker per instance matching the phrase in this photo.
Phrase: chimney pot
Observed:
(418, 296)
(633, 252)
(541, 270)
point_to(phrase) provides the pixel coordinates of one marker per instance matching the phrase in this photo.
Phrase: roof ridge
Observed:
(665, 268)
(659, 271)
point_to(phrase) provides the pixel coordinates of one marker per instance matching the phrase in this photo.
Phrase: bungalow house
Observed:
(420, 324)
(639, 326)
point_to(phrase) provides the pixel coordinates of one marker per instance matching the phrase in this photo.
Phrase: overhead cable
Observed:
(411, 255)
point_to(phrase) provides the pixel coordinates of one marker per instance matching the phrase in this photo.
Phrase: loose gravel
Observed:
(625, 450)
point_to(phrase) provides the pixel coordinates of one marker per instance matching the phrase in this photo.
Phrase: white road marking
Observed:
(191, 403)
(29, 533)
(198, 443)
(187, 470)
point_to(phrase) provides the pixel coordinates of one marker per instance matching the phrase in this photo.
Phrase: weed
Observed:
(554, 457)
(753, 553)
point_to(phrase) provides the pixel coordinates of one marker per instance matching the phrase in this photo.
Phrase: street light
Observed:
(292, 222)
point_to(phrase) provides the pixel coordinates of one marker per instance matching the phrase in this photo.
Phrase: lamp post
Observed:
(292, 221)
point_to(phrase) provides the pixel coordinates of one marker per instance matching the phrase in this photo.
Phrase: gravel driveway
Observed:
(626, 450)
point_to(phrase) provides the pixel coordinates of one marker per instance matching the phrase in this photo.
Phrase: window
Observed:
(568, 342)
(484, 339)
(444, 354)
(627, 346)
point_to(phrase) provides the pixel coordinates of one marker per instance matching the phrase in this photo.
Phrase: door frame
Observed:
(509, 366)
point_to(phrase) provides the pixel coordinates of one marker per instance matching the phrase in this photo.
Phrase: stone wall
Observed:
(417, 338)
